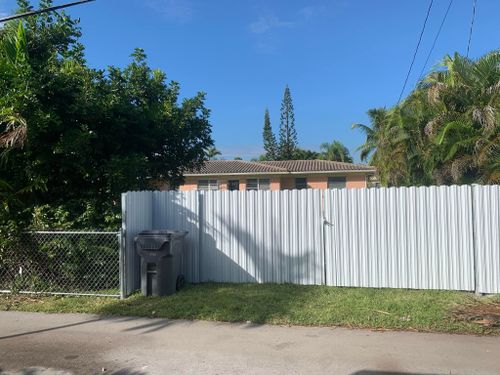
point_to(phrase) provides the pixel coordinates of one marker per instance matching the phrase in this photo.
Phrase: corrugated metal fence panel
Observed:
(261, 236)
(137, 216)
(487, 237)
(417, 238)
(180, 211)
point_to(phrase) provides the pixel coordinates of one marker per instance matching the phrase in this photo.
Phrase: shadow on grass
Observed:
(380, 372)
(287, 304)
(248, 303)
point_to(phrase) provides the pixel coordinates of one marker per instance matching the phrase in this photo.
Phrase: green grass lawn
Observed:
(437, 311)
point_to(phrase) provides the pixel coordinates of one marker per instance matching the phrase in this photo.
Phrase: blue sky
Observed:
(339, 58)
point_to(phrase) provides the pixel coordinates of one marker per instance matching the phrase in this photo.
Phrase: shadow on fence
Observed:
(227, 250)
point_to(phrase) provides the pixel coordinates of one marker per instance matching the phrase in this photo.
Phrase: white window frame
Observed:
(262, 183)
(210, 184)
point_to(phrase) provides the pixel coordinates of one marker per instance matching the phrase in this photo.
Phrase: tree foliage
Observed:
(76, 137)
(212, 152)
(288, 134)
(304, 154)
(335, 151)
(446, 131)
(270, 144)
(287, 147)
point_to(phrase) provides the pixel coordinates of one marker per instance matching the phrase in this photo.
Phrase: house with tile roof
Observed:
(277, 175)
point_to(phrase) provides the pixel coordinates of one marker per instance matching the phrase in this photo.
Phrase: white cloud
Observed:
(266, 41)
(267, 23)
(178, 10)
(309, 12)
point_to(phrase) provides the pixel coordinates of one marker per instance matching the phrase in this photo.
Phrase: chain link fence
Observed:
(83, 263)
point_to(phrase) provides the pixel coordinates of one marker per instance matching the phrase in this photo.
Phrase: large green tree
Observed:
(269, 139)
(446, 131)
(76, 137)
(288, 134)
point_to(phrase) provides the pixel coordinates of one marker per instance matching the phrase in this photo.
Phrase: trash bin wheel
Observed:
(180, 282)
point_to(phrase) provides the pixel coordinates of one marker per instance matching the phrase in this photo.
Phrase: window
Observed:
(258, 184)
(301, 183)
(233, 185)
(336, 182)
(208, 185)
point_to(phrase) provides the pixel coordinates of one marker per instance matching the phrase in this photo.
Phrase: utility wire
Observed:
(434, 42)
(44, 10)
(416, 50)
(471, 25)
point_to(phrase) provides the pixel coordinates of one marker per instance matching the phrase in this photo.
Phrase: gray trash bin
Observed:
(161, 253)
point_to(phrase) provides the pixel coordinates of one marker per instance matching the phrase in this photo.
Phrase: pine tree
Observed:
(288, 134)
(270, 144)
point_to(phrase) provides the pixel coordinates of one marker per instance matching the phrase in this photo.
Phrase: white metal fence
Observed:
(419, 237)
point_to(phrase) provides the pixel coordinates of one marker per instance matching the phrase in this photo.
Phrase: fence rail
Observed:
(419, 237)
(57, 262)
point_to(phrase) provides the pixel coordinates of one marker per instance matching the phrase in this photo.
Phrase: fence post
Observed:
(123, 249)
(323, 236)
(199, 195)
(474, 245)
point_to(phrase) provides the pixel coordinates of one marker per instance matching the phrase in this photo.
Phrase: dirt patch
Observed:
(485, 313)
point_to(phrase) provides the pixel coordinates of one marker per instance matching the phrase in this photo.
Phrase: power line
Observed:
(416, 50)
(434, 42)
(471, 25)
(44, 10)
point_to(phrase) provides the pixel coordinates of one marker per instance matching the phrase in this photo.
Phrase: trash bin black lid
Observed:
(163, 232)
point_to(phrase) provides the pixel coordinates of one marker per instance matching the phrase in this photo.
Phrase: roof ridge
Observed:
(345, 162)
(279, 169)
(321, 160)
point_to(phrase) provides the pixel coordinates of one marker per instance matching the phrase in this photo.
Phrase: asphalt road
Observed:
(34, 344)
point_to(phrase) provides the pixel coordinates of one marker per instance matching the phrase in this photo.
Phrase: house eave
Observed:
(280, 173)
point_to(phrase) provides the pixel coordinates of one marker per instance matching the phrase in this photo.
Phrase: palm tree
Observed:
(378, 117)
(13, 56)
(385, 145)
(212, 153)
(465, 128)
(446, 131)
(335, 151)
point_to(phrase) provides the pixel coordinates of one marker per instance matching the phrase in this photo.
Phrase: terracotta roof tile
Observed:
(317, 166)
(216, 167)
